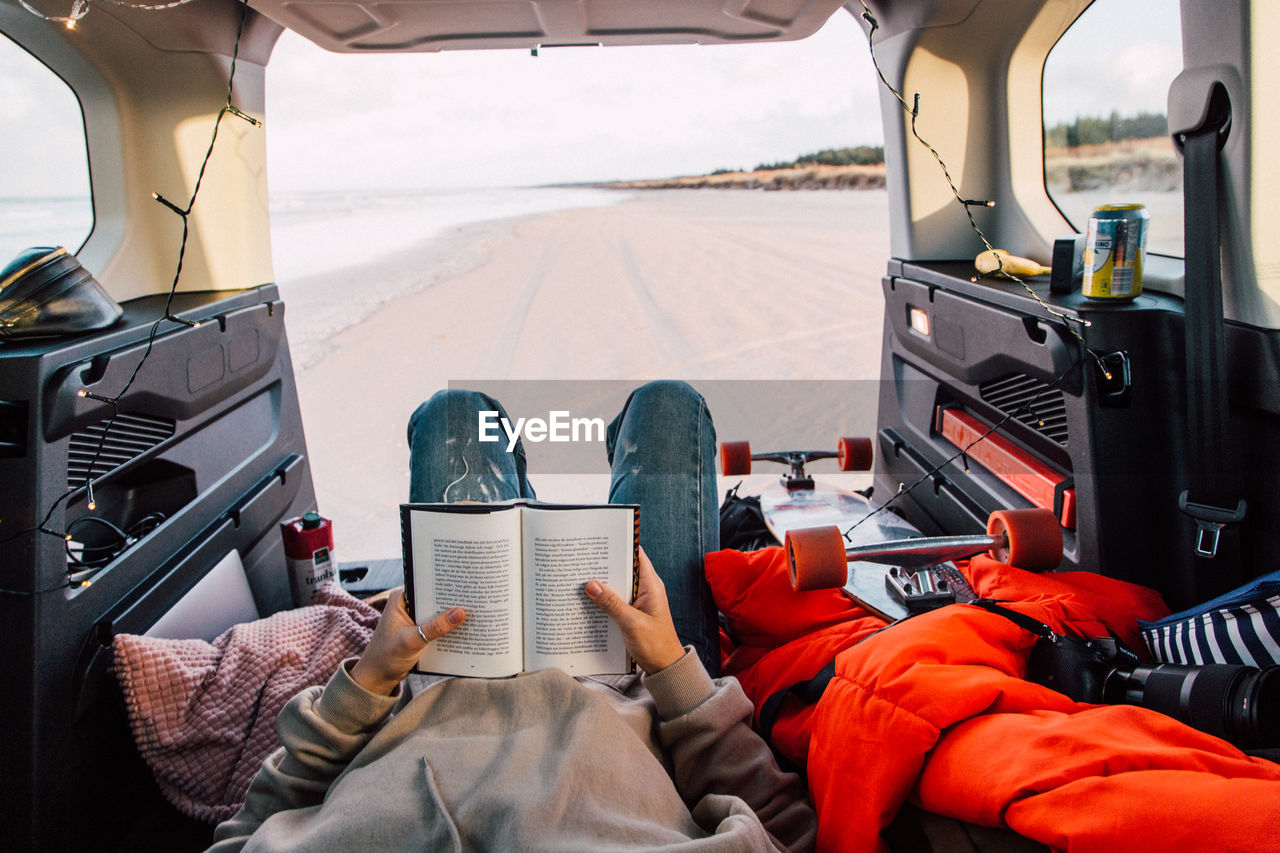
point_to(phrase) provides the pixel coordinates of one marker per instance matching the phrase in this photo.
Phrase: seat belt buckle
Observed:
(1209, 522)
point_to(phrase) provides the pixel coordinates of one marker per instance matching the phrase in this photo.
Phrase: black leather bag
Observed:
(44, 292)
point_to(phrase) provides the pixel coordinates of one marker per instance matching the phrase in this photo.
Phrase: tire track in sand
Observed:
(499, 356)
(663, 324)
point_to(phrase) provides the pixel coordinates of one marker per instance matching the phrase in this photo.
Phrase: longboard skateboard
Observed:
(837, 539)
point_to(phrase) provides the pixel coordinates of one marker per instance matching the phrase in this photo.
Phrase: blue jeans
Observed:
(661, 450)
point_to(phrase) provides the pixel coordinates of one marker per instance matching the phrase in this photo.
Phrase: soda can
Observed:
(308, 552)
(1114, 250)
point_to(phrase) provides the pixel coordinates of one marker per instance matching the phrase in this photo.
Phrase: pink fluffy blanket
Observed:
(204, 714)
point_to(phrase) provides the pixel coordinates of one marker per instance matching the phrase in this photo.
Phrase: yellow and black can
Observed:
(1114, 250)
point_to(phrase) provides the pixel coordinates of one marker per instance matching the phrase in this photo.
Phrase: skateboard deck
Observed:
(794, 509)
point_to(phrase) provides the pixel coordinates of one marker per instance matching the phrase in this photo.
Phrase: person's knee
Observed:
(667, 400)
(665, 422)
(668, 392)
(454, 408)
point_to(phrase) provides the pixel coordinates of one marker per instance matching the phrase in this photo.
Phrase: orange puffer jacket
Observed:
(937, 709)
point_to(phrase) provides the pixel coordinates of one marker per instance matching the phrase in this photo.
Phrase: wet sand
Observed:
(769, 303)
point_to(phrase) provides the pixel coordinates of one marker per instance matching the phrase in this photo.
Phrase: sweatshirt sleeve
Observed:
(321, 730)
(705, 727)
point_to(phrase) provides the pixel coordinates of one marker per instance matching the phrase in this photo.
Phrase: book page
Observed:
(469, 559)
(563, 549)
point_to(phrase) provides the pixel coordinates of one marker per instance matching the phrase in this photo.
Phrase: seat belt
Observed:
(1211, 498)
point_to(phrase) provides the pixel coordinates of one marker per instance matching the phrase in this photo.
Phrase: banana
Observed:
(998, 260)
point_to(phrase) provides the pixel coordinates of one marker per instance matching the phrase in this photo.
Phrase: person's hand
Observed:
(396, 644)
(646, 624)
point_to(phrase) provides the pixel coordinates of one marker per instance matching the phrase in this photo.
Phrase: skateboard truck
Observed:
(926, 589)
(736, 457)
(1030, 539)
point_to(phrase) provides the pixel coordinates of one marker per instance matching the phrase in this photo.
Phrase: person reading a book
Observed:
(662, 758)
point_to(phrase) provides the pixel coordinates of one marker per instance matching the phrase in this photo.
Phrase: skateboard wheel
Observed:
(855, 454)
(1034, 538)
(735, 458)
(816, 558)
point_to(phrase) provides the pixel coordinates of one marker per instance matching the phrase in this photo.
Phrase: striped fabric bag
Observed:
(1240, 627)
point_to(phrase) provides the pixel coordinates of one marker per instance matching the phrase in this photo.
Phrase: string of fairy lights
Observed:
(80, 8)
(1072, 324)
(85, 562)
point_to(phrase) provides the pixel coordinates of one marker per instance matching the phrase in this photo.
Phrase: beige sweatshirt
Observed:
(539, 761)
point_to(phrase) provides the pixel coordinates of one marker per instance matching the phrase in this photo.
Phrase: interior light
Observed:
(919, 321)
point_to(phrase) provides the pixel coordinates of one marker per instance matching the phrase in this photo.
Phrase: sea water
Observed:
(341, 256)
(29, 222)
(315, 233)
(337, 256)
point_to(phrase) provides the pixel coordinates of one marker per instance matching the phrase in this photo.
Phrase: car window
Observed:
(44, 166)
(1106, 85)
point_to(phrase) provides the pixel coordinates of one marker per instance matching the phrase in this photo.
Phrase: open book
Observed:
(519, 569)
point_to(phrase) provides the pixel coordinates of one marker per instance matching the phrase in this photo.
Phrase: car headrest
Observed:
(45, 292)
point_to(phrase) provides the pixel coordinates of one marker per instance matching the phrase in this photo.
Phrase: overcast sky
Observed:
(572, 114)
(337, 121)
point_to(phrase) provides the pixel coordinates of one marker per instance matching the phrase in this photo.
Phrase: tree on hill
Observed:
(1096, 130)
(861, 155)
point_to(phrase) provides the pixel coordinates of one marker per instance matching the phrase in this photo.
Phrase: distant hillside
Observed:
(1120, 152)
(1148, 165)
(812, 177)
(857, 168)
(1091, 152)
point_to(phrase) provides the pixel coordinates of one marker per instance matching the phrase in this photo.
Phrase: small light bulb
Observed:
(93, 505)
(82, 393)
(195, 325)
(71, 23)
(67, 537)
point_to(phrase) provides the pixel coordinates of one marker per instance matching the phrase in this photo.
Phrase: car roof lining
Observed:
(373, 26)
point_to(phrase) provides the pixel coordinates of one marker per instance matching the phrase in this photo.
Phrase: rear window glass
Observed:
(44, 166)
(1106, 85)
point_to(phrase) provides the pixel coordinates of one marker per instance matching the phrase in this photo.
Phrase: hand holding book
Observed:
(646, 626)
(646, 623)
(397, 643)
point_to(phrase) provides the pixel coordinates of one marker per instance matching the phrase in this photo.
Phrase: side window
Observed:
(1105, 130)
(44, 165)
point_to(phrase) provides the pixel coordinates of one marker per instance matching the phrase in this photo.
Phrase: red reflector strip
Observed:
(1017, 469)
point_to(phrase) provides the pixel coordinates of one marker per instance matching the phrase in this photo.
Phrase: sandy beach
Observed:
(769, 303)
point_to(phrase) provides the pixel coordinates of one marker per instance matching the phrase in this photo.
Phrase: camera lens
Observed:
(1240, 704)
(1261, 707)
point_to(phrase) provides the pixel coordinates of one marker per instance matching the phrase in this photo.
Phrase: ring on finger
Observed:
(422, 635)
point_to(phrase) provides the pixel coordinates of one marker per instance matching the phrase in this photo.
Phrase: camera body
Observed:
(1237, 703)
(1077, 668)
